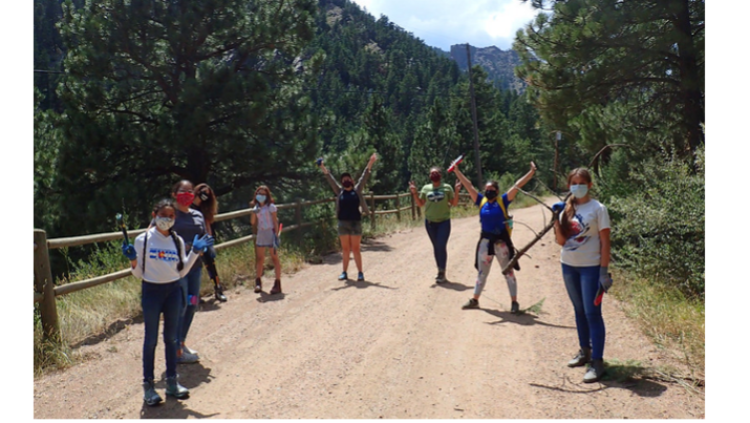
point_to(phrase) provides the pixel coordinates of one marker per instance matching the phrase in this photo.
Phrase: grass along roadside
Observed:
(674, 323)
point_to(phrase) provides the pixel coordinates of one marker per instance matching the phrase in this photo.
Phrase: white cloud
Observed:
(442, 23)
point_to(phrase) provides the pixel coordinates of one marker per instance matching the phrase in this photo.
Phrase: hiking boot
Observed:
(440, 278)
(514, 307)
(472, 303)
(360, 277)
(583, 357)
(343, 276)
(187, 358)
(150, 397)
(276, 287)
(594, 372)
(219, 293)
(258, 285)
(174, 389)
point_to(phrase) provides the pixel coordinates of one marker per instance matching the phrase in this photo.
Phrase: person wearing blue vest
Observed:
(495, 237)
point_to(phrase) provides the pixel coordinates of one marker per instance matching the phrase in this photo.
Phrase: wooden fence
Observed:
(45, 290)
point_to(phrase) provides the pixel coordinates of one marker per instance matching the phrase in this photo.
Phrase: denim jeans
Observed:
(191, 285)
(582, 284)
(439, 233)
(158, 298)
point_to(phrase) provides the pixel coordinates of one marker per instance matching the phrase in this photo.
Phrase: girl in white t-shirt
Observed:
(266, 229)
(158, 258)
(583, 231)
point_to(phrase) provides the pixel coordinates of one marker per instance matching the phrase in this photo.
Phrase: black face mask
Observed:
(203, 195)
(491, 195)
(347, 184)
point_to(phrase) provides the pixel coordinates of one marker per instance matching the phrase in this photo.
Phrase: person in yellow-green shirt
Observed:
(437, 198)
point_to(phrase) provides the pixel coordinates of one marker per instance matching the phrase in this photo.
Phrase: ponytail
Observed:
(180, 264)
(567, 216)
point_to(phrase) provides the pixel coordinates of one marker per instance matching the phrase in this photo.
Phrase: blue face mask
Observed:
(579, 191)
(261, 198)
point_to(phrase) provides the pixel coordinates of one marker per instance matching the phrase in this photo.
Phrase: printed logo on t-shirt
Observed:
(435, 196)
(163, 255)
(578, 229)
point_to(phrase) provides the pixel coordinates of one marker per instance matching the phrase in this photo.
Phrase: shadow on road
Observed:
(189, 375)
(523, 319)
(373, 245)
(172, 408)
(451, 285)
(111, 330)
(266, 297)
(361, 285)
(619, 376)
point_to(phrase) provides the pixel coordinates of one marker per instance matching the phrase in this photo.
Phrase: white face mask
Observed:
(579, 191)
(164, 223)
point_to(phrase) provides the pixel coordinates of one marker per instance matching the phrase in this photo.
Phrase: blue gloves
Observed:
(605, 279)
(319, 161)
(200, 245)
(128, 250)
(276, 242)
(211, 252)
(558, 207)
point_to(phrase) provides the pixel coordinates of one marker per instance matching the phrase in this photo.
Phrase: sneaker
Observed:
(219, 293)
(185, 349)
(150, 397)
(343, 277)
(258, 285)
(276, 287)
(472, 303)
(440, 278)
(187, 358)
(583, 357)
(360, 277)
(594, 372)
(174, 389)
(514, 307)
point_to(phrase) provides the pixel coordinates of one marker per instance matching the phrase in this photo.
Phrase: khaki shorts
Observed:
(350, 227)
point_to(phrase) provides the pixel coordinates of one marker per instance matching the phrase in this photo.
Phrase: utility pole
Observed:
(558, 138)
(478, 160)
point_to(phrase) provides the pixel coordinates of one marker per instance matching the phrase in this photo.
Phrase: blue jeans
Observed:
(582, 284)
(439, 234)
(191, 285)
(157, 298)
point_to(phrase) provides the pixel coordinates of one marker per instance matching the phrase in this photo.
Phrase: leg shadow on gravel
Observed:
(631, 376)
(452, 285)
(266, 297)
(172, 408)
(361, 285)
(372, 245)
(189, 376)
(524, 319)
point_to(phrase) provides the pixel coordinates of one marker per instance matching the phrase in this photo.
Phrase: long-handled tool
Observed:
(124, 228)
(458, 160)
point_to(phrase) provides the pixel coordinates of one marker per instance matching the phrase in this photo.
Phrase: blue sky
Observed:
(442, 23)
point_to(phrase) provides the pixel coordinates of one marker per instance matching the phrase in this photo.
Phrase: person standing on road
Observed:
(583, 231)
(206, 203)
(495, 236)
(349, 201)
(266, 228)
(437, 198)
(157, 257)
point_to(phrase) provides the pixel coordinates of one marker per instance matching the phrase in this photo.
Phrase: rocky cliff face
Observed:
(498, 63)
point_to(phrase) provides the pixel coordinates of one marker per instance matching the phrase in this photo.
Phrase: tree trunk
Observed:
(693, 112)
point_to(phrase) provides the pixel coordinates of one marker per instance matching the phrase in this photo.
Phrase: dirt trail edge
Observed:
(395, 346)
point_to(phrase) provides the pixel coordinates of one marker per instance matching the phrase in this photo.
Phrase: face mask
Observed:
(185, 198)
(491, 195)
(435, 177)
(261, 198)
(579, 191)
(203, 196)
(164, 223)
(347, 184)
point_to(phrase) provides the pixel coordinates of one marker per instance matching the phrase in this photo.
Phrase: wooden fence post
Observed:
(398, 207)
(44, 283)
(298, 218)
(372, 210)
(413, 210)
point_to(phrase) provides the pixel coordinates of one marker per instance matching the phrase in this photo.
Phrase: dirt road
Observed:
(395, 346)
